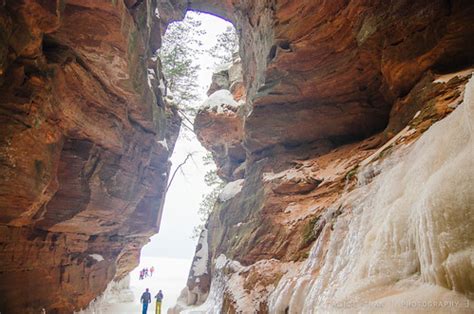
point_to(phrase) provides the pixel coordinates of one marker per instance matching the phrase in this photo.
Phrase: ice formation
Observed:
(116, 292)
(214, 300)
(230, 190)
(229, 277)
(199, 266)
(404, 239)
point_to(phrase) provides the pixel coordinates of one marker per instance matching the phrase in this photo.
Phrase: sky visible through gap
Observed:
(171, 250)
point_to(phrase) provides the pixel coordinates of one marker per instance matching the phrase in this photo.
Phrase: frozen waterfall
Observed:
(404, 239)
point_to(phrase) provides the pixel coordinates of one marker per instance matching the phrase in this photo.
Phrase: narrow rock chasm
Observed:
(343, 132)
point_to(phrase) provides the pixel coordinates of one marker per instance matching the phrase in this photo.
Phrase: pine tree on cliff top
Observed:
(181, 43)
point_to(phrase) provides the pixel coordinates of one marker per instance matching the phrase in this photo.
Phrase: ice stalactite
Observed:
(404, 239)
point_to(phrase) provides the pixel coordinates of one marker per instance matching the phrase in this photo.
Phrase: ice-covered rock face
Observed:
(391, 223)
(405, 241)
(337, 91)
(116, 292)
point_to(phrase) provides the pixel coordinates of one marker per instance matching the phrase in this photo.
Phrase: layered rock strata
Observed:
(357, 189)
(350, 177)
(219, 122)
(85, 140)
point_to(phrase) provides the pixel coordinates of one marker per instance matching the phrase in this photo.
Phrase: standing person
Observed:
(145, 299)
(152, 269)
(159, 298)
(141, 274)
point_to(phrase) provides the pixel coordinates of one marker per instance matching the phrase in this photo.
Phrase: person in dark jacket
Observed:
(145, 299)
(159, 298)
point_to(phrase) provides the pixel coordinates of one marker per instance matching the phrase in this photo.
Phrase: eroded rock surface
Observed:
(85, 142)
(353, 141)
(343, 201)
(219, 123)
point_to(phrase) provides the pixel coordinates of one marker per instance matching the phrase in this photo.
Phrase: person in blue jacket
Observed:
(145, 300)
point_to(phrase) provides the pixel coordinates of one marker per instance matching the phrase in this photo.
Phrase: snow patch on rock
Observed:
(288, 174)
(162, 87)
(202, 256)
(97, 257)
(220, 101)
(151, 76)
(163, 143)
(231, 189)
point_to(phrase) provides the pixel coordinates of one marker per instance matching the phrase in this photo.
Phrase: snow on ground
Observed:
(170, 276)
(230, 190)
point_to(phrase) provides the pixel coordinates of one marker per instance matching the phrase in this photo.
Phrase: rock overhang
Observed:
(83, 166)
(313, 58)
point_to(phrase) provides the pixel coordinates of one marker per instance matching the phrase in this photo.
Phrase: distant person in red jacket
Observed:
(152, 269)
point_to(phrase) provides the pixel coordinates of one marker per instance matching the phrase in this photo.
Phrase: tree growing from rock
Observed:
(223, 51)
(227, 44)
(208, 200)
(181, 43)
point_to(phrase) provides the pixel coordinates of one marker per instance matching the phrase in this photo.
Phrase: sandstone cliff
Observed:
(85, 140)
(355, 192)
(349, 160)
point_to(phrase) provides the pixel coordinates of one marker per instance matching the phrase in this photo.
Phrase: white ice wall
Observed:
(405, 240)
(116, 292)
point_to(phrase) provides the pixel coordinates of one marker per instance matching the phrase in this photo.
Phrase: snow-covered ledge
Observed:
(230, 190)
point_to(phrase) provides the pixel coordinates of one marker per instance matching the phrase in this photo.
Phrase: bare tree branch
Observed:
(188, 127)
(185, 116)
(176, 170)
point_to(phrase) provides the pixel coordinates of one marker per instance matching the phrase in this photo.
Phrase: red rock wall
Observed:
(328, 83)
(82, 168)
(307, 62)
